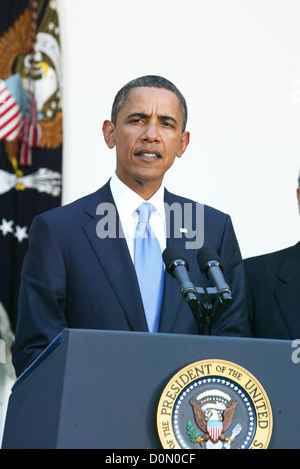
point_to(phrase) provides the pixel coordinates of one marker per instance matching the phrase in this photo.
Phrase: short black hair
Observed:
(150, 81)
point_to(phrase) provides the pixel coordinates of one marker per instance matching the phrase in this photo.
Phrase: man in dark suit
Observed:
(273, 285)
(79, 271)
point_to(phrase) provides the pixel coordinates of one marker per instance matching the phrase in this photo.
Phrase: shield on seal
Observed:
(214, 429)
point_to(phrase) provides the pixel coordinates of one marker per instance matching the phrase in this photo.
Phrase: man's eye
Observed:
(166, 124)
(136, 120)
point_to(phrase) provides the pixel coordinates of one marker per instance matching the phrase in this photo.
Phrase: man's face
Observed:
(298, 197)
(147, 135)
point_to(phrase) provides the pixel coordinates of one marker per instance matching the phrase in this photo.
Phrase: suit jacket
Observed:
(72, 278)
(273, 287)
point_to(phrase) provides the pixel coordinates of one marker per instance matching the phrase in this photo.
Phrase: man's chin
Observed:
(147, 179)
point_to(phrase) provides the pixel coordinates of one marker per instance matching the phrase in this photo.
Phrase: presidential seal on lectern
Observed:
(214, 404)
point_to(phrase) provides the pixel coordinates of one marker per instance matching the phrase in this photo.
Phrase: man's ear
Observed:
(185, 139)
(108, 130)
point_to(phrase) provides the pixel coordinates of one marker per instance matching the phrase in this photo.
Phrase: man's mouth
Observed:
(147, 155)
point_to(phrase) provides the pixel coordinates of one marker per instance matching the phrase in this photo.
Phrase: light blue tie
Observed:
(149, 267)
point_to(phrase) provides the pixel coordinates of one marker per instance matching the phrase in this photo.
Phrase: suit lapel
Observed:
(113, 255)
(287, 294)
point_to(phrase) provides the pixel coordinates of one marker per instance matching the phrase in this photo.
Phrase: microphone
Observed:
(178, 266)
(211, 267)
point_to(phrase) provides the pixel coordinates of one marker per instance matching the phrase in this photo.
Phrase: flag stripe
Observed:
(9, 132)
(8, 124)
(7, 104)
(9, 116)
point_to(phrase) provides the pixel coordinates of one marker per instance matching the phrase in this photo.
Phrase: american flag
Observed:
(11, 119)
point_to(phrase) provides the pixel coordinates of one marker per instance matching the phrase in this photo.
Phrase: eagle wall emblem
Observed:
(31, 96)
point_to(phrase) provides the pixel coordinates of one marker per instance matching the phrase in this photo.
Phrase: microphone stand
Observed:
(204, 316)
(206, 312)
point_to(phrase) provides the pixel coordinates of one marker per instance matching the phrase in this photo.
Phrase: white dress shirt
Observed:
(127, 202)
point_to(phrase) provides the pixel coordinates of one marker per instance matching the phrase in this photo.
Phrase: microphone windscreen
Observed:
(171, 254)
(206, 254)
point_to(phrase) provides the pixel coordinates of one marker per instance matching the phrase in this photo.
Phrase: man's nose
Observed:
(151, 132)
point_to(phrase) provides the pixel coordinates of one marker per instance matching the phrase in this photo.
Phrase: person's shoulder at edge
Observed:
(269, 256)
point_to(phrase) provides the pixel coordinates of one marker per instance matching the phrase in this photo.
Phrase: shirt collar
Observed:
(127, 201)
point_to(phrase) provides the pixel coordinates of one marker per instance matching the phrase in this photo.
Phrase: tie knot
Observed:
(144, 212)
